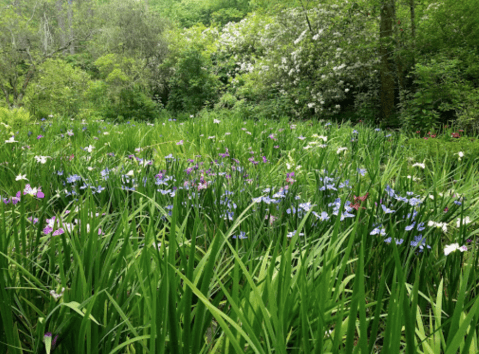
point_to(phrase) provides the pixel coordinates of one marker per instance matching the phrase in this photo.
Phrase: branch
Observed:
(307, 18)
(33, 13)
(66, 46)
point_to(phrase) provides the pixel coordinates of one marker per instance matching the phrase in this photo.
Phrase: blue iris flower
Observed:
(378, 231)
(398, 242)
(414, 201)
(387, 210)
(242, 235)
(362, 171)
(292, 233)
(410, 227)
(390, 191)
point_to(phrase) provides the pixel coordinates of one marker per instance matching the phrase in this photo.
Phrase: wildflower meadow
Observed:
(218, 234)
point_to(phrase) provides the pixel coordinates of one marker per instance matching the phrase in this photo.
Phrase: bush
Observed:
(311, 62)
(58, 88)
(228, 100)
(439, 149)
(444, 91)
(15, 118)
(132, 104)
(468, 110)
(193, 85)
(274, 108)
(223, 16)
(121, 92)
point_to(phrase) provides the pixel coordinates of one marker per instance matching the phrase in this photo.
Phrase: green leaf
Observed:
(75, 306)
(128, 342)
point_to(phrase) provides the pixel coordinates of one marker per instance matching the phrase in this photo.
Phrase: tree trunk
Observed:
(387, 59)
(413, 29)
(61, 22)
(70, 25)
(398, 49)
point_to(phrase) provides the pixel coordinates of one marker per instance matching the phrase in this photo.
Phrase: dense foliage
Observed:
(304, 59)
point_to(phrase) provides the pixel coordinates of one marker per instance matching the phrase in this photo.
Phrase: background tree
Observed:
(126, 56)
(29, 35)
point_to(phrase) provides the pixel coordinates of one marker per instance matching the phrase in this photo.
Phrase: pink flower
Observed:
(290, 180)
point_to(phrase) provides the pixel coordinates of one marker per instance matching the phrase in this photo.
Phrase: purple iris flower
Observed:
(58, 232)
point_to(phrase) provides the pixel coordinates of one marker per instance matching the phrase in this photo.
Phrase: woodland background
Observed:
(411, 64)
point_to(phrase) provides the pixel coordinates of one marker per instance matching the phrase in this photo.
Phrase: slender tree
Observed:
(70, 26)
(61, 22)
(386, 49)
(413, 28)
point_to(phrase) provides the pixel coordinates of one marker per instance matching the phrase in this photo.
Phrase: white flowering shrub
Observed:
(285, 64)
(314, 69)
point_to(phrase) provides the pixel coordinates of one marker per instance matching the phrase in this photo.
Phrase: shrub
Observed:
(122, 91)
(312, 62)
(223, 16)
(132, 104)
(438, 149)
(58, 88)
(444, 91)
(193, 85)
(15, 118)
(468, 110)
(228, 100)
